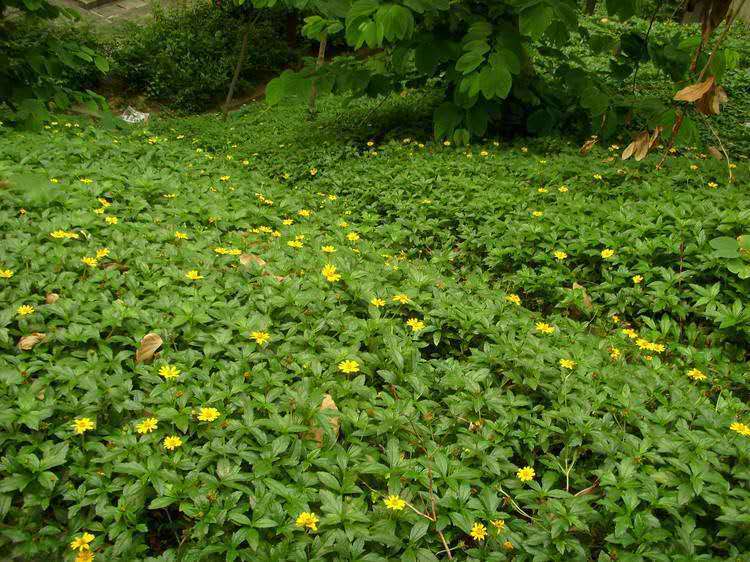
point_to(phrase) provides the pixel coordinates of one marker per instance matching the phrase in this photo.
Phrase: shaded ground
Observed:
(117, 11)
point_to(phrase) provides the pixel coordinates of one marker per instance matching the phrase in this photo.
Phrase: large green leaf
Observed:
(397, 21)
(535, 20)
(445, 119)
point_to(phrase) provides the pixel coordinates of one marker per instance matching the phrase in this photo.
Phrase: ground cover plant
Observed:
(249, 347)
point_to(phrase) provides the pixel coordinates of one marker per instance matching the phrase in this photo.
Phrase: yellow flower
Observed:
(287, 222)
(693, 167)
(352, 237)
(6, 273)
(713, 184)
(169, 371)
(614, 352)
(484, 153)
(103, 202)
(567, 363)
(507, 545)
(225, 178)
(313, 171)
(304, 212)
(499, 524)
(394, 502)
(415, 324)
(740, 428)
(526, 474)
(111, 220)
(193, 275)
(91, 262)
(544, 328)
(86, 181)
(63, 234)
(208, 414)
(637, 279)
(606, 254)
(563, 189)
(537, 214)
(349, 366)
(220, 250)
(260, 337)
(632, 334)
(180, 235)
(560, 255)
(102, 253)
(307, 520)
(329, 272)
(696, 375)
(82, 425)
(401, 298)
(172, 442)
(597, 176)
(542, 190)
(343, 224)
(54, 180)
(478, 531)
(100, 211)
(332, 197)
(25, 310)
(85, 556)
(82, 543)
(294, 244)
(328, 249)
(147, 426)
(377, 302)
(515, 299)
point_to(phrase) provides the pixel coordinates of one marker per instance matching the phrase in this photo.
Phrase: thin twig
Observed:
(650, 25)
(727, 26)
(434, 514)
(721, 145)
(588, 490)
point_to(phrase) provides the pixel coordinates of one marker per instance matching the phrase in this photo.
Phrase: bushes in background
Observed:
(186, 56)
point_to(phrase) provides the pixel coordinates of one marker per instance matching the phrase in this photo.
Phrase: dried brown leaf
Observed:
(588, 145)
(715, 152)
(149, 344)
(28, 342)
(587, 302)
(317, 433)
(51, 298)
(247, 259)
(694, 92)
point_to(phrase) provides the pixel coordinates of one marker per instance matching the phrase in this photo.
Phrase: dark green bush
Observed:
(186, 57)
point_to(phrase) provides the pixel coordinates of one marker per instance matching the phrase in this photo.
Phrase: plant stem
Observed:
(318, 64)
(238, 67)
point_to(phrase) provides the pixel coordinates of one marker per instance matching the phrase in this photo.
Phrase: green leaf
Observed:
(101, 63)
(495, 82)
(396, 21)
(535, 20)
(725, 247)
(274, 91)
(469, 62)
(446, 118)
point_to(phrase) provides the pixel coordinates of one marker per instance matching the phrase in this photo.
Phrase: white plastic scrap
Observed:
(132, 115)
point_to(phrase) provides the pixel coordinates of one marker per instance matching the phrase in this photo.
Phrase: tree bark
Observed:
(238, 67)
(318, 64)
(590, 6)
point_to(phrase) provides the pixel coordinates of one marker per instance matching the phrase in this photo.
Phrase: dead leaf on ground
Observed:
(715, 152)
(588, 145)
(587, 302)
(51, 298)
(694, 92)
(317, 433)
(247, 259)
(149, 344)
(28, 342)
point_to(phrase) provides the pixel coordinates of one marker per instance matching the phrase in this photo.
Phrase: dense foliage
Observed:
(184, 57)
(364, 349)
(38, 62)
(496, 61)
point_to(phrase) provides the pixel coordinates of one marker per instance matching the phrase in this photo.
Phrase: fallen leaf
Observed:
(694, 92)
(51, 298)
(588, 145)
(247, 259)
(27, 342)
(715, 152)
(587, 302)
(317, 433)
(149, 344)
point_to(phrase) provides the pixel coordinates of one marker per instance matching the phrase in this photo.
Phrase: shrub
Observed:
(186, 56)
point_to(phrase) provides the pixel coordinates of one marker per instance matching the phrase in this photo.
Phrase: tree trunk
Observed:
(292, 26)
(318, 64)
(238, 67)
(590, 6)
